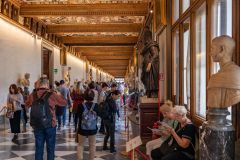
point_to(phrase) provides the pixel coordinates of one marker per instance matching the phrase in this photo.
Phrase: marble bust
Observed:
(224, 87)
(25, 82)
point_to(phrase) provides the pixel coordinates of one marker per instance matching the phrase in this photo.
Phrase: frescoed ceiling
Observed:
(79, 1)
(133, 34)
(105, 31)
(90, 19)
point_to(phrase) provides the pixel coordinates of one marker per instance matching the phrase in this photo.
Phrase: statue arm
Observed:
(153, 54)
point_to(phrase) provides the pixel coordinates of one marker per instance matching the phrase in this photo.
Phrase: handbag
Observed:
(10, 110)
(167, 146)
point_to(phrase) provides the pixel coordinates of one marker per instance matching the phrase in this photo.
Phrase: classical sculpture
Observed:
(25, 82)
(224, 86)
(150, 64)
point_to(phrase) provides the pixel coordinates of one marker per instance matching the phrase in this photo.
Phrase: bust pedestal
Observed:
(148, 115)
(217, 137)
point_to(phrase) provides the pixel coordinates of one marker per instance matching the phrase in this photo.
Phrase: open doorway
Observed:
(47, 64)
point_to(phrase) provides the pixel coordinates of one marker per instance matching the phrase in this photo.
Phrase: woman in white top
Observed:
(15, 100)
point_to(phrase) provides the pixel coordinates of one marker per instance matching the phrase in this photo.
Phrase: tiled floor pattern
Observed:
(65, 145)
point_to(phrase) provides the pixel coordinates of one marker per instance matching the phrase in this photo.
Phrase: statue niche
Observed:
(150, 64)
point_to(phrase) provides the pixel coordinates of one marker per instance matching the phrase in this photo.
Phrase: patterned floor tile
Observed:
(66, 147)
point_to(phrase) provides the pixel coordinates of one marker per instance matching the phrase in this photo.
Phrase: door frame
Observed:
(51, 61)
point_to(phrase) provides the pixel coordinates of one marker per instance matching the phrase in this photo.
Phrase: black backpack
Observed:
(40, 116)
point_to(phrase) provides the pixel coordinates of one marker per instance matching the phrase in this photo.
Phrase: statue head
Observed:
(222, 48)
(26, 75)
(147, 36)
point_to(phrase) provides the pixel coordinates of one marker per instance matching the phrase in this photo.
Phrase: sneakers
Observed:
(59, 128)
(105, 148)
(113, 150)
(15, 138)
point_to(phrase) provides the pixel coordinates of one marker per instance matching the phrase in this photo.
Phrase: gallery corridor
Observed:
(174, 63)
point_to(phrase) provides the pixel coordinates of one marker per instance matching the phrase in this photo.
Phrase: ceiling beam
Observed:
(105, 49)
(133, 27)
(100, 9)
(114, 67)
(96, 58)
(93, 40)
(100, 54)
(114, 62)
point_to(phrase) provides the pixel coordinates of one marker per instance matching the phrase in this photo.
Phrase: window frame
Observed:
(191, 12)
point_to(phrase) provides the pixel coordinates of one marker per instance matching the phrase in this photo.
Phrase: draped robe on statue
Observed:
(224, 87)
(150, 79)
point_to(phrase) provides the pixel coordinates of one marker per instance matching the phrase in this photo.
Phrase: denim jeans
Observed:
(62, 119)
(42, 135)
(64, 116)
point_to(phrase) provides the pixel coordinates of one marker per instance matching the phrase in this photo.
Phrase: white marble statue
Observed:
(224, 87)
(25, 82)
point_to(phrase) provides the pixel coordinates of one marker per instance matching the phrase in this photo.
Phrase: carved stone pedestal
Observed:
(148, 115)
(217, 137)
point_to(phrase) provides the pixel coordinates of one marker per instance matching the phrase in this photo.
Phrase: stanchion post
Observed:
(128, 132)
(133, 155)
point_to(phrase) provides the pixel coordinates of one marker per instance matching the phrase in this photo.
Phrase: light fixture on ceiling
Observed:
(151, 11)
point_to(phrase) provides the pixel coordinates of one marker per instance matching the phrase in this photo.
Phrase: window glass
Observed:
(162, 66)
(201, 60)
(186, 67)
(175, 10)
(222, 25)
(185, 5)
(176, 65)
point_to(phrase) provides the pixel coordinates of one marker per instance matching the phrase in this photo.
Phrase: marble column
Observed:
(217, 137)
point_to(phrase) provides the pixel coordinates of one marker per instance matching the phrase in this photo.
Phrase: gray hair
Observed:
(180, 110)
(43, 81)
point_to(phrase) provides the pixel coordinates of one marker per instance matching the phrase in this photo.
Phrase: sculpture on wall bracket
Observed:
(150, 64)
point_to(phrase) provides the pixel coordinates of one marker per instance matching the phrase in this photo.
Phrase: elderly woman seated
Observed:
(166, 110)
(180, 146)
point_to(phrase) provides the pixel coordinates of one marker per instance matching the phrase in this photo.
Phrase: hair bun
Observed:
(168, 102)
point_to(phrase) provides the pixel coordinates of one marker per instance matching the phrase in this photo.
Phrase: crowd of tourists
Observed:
(46, 109)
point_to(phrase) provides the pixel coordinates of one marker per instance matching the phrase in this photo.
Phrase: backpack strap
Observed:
(92, 107)
(46, 95)
(84, 106)
(35, 96)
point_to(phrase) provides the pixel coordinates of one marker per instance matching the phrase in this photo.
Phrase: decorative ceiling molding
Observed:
(102, 40)
(104, 49)
(114, 9)
(96, 58)
(94, 28)
(49, 20)
(78, 1)
(112, 62)
(133, 34)
(114, 67)
(109, 54)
